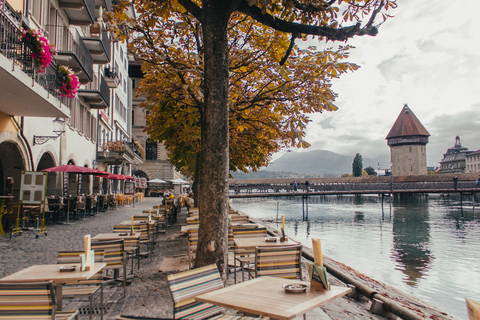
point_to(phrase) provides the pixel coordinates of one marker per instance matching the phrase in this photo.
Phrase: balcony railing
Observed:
(96, 94)
(13, 48)
(72, 51)
(111, 78)
(79, 12)
(99, 45)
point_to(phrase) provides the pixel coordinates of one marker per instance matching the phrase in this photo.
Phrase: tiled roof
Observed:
(407, 124)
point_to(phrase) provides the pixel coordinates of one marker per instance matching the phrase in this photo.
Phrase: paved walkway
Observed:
(147, 294)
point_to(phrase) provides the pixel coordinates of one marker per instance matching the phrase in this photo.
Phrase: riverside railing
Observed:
(354, 188)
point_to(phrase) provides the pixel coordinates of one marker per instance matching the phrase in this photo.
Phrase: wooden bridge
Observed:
(435, 183)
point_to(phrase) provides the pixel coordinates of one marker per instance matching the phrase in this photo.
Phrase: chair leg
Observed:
(101, 301)
(91, 307)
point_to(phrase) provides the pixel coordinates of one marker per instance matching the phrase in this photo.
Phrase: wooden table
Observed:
(265, 296)
(253, 242)
(51, 272)
(116, 236)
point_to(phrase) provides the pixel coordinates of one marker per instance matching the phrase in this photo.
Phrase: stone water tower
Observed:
(407, 140)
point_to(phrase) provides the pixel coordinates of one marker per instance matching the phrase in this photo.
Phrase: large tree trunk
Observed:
(214, 157)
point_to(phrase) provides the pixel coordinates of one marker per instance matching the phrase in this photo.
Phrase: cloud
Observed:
(425, 57)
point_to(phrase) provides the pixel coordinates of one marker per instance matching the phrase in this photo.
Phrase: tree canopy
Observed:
(231, 69)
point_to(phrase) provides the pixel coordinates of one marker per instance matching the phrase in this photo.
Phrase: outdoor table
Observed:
(265, 296)
(252, 243)
(116, 236)
(51, 272)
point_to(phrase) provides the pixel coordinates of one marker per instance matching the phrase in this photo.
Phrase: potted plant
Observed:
(42, 50)
(68, 81)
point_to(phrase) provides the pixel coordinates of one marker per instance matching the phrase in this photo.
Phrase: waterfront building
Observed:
(454, 159)
(95, 132)
(472, 161)
(407, 140)
(156, 164)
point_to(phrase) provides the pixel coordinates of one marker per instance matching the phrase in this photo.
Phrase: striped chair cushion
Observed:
(281, 261)
(184, 286)
(114, 252)
(27, 301)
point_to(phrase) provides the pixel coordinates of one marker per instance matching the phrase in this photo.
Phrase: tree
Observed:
(370, 171)
(357, 165)
(324, 20)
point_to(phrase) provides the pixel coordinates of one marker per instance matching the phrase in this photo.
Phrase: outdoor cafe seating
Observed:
(86, 287)
(184, 286)
(31, 301)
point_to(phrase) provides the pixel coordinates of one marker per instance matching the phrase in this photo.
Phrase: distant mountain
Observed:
(315, 163)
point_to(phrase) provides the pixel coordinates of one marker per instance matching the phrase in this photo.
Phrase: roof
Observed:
(407, 124)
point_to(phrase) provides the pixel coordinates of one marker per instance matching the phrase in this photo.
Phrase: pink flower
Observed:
(71, 84)
(42, 50)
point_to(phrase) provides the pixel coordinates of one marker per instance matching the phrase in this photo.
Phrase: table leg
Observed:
(59, 296)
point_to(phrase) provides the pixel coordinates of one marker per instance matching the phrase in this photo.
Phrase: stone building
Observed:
(454, 159)
(156, 164)
(407, 140)
(472, 161)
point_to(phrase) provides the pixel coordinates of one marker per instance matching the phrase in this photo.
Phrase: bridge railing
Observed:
(379, 187)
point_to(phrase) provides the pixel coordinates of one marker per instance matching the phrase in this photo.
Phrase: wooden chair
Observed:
(279, 261)
(184, 286)
(114, 257)
(87, 287)
(31, 301)
(242, 255)
(131, 246)
(192, 246)
(80, 206)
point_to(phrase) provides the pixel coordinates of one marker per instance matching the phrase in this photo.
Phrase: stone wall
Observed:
(408, 160)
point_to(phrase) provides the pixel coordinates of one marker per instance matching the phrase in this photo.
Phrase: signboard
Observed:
(33, 187)
(129, 187)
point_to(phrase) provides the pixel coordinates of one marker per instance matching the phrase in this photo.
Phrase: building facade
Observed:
(407, 140)
(472, 161)
(96, 132)
(156, 164)
(454, 160)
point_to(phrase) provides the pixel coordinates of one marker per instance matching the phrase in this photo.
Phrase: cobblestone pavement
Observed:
(147, 293)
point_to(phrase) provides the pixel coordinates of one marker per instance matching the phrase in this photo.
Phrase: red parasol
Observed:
(115, 177)
(70, 168)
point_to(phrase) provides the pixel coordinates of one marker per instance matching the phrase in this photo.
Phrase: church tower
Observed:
(407, 140)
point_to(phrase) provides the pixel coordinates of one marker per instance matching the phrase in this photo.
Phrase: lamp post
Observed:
(58, 128)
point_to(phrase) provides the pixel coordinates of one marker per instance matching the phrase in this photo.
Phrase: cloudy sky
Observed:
(427, 56)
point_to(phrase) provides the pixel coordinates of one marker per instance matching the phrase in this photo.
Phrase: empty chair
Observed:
(192, 245)
(242, 255)
(87, 287)
(184, 286)
(31, 301)
(114, 257)
(279, 261)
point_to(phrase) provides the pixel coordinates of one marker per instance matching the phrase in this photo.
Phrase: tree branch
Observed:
(334, 34)
(289, 50)
(191, 7)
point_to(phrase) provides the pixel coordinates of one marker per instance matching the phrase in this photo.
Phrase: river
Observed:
(426, 246)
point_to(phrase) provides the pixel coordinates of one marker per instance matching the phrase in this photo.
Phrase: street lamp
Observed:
(58, 128)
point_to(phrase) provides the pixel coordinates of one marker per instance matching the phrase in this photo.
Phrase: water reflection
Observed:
(359, 216)
(411, 239)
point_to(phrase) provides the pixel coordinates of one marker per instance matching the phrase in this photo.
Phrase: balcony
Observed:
(25, 92)
(97, 96)
(72, 51)
(98, 44)
(111, 78)
(79, 12)
(118, 152)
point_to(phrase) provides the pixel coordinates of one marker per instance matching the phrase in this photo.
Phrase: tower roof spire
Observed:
(407, 124)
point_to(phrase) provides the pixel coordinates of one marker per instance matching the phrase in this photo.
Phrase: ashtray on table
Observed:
(295, 288)
(271, 239)
(67, 268)
(123, 234)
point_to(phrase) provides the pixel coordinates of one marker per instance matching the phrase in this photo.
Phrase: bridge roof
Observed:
(407, 124)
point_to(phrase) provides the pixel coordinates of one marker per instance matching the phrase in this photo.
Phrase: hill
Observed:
(315, 163)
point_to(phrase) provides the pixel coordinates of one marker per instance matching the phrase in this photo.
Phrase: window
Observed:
(150, 150)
